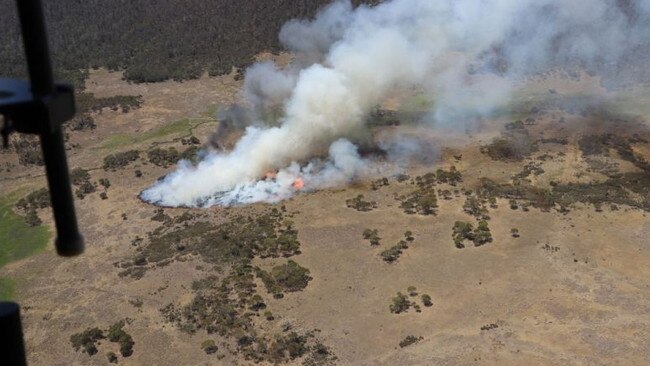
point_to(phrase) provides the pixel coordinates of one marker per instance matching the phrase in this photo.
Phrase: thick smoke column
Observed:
(466, 53)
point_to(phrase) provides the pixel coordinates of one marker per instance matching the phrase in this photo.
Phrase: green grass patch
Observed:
(7, 289)
(17, 239)
(182, 126)
(173, 128)
(212, 110)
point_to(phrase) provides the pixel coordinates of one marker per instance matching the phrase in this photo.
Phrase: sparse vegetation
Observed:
(475, 206)
(105, 183)
(82, 123)
(372, 235)
(37, 199)
(209, 347)
(87, 102)
(117, 334)
(120, 160)
(465, 231)
(360, 204)
(227, 305)
(162, 44)
(291, 276)
(393, 253)
(514, 145)
(400, 304)
(422, 201)
(426, 300)
(377, 184)
(87, 340)
(409, 340)
(22, 236)
(412, 290)
(451, 177)
(514, 232)
(111, 357)
(163, 157)
(489, 326)
(28, 148)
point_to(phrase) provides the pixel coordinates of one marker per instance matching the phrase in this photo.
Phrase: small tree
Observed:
(514, 232)
(112, 357)
(412, 291)
(105, 182)
(426, 300)
(409, 235)
(400, 304)
(409, 340)
(209, 346)
(32, 218)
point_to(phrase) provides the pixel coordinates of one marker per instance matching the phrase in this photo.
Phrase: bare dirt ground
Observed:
(573, 289)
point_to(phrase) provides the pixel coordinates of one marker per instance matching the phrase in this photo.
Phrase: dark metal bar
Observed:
(36, 49)
(12, 348)
(69, 241)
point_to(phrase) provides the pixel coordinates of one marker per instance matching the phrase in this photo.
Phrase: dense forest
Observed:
(153, 40)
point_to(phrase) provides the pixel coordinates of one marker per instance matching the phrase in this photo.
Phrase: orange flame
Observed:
(298, 184)
(270, 175)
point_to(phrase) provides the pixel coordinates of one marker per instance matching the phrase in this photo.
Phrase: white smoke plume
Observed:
(465, 53)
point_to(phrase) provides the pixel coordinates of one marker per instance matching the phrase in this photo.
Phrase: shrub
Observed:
(163, 157)
(409, 235)
(291, 276)
(32, 218)
(464, 231)
(120, 160)
(117, 334)
(257, 303)
(105, 183)
(514, 232)
(209, 347)
(78, 176)
(160, 216)
(82, 123)
(391, 254)
(36, 199)
(482, 234)
(426, 300)
(372, 235)
(84, 189)
(293, 345)
(475, 207)
(422, 201)
(412, 291)
(87, 340)
(360, 204)
(400, 304)
(112, 357)
(452, 177)
(409, 340)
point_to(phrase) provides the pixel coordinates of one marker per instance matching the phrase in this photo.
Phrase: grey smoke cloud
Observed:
(467, 54)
